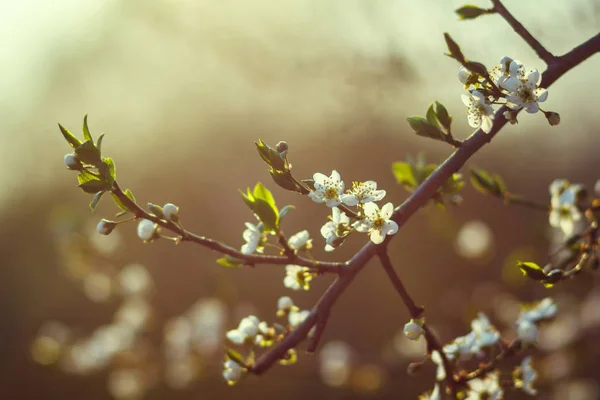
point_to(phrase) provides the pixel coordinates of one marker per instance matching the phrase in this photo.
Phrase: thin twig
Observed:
(415, 311)
(524, 33)
(186, 236)
(513, 199)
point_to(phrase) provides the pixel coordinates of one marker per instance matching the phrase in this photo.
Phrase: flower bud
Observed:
(413, 330)
(282, 147)
(105, 227)
(284, 303)
(552, 117)
(72, 162)
(414, 368)
(147, 230)
(232, 371)
(511, 116)
(171, 212)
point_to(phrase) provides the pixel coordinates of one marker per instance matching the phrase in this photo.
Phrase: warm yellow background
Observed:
(183, 88)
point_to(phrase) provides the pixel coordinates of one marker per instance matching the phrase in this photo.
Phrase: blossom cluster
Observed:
(371, 219)
(252, 332)
(480, 341)
(509, 80)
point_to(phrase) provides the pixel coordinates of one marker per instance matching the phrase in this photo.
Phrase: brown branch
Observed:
(509, 351)
(415, 311)
(539, 49)
(187, 236)
(418, 199)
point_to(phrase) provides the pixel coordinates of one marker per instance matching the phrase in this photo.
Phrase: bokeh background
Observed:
(182, 89)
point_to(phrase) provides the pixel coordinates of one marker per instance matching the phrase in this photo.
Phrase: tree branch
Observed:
(539, 49)
(415, 311)
(418, 199)
(186, 236)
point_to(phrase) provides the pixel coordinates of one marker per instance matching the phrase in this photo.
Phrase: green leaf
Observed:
(86, 131)
(70, 138)
(443, 116)
(423, 127)
(454, 49)
(99, 142)
(431, 117)
(111, 173)
(261, 192)
(470, 11)
(285, 180)
(476, 67)
(156, 210)
(230, 262)
(285, 210)
(235, 356)
(404, 173)
(120, 204)
(94, 186)
(267, 213)
(486, 183)
(248, 198)
(85, 176)
(532, 270)
(88, 153)
(96, 200)
(271, 156)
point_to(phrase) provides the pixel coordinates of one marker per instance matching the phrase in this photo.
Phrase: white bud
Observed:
(236, 337)
(171, 212)
(105, 227)
(72, 162)
(146, 229)
(412, 330)
(527, 332)
(249, 326)
(284, 303)
(232, 371)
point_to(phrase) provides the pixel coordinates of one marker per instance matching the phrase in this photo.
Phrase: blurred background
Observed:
(182, 89)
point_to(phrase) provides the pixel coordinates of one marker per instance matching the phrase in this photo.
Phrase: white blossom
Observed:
(462, 347)
(362, 192)
(525, 92)
(436, 357)
(507, 69)
(434, 395)
(232, 371)
(253, 236)
(247, 329)
(335, 228)
(300, 241)
(377, 223)
(146, 230)
(285, 303)
(564, 212)
(413, 330)
(527, 332)
(487, 388)
(542, 310)
(479, 112)
(485, 333)
(327, 189)
(524, 376)
(297, 277)
(295, 318)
